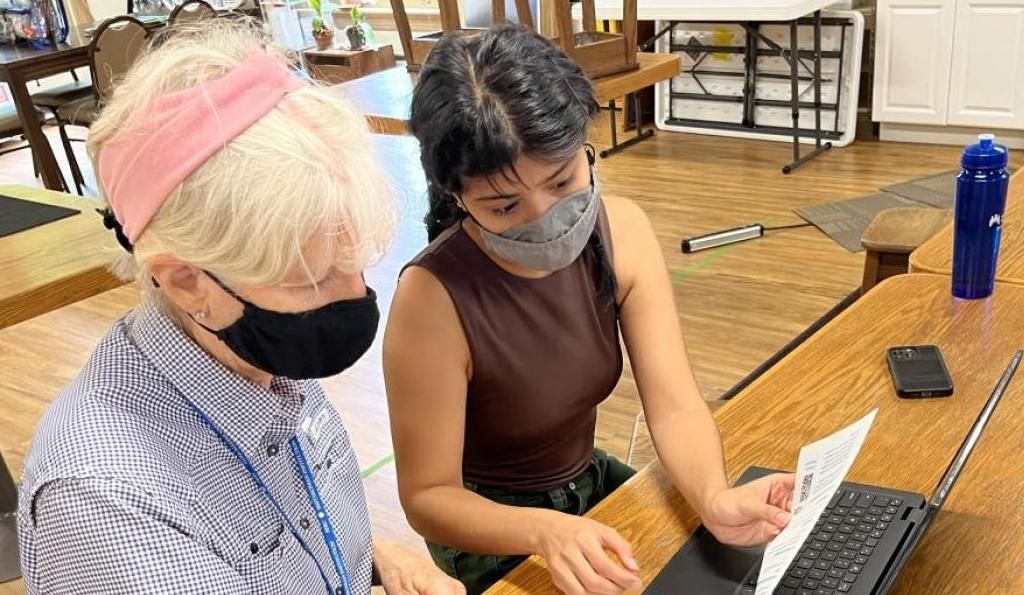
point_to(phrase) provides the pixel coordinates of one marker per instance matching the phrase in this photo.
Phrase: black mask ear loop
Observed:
(228, 290)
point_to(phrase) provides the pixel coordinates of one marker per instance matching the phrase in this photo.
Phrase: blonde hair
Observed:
(302, 178)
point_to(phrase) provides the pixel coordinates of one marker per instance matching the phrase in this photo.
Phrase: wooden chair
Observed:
(417, 48)
(115, 46)
(598, 53)
(191, 11)
(890, 238)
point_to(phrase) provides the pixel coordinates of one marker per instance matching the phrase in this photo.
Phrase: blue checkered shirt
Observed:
(125, 490)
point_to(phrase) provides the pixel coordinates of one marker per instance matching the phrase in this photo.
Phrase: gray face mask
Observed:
(553, 241)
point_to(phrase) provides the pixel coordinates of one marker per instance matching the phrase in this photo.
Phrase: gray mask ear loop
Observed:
(465, 211)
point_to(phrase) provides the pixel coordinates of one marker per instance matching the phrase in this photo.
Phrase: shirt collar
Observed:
(252, 416)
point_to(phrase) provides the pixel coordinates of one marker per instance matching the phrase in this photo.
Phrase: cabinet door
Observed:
(987, 82)
(914, 44)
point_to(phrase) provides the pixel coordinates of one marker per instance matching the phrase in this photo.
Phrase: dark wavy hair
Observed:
(482, 101)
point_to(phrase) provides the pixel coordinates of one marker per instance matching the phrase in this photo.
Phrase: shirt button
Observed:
(572, 485)
(254, 547)
(339, 591)
(304, 523)
(272, 450)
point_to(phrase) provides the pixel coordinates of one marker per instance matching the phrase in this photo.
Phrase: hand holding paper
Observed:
(822, 467)
(751, 513)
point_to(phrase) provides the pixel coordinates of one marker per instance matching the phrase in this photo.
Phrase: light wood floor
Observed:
(737, 305)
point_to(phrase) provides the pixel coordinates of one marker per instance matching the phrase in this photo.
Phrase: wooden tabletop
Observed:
(936, 255)
(21, 52)
(385, 97)
(838, 375)
(55, 264)
(78, 40)
(654, 68)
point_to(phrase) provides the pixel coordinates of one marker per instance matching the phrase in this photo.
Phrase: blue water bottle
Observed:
(978, 218)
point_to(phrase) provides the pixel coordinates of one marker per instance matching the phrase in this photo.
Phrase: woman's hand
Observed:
(575, 549)
(752, 513)
(406, 573)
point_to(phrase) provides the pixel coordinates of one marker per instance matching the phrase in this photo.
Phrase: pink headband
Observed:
(139, 169)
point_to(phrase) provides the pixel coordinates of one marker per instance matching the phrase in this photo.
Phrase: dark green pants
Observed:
(478, 572)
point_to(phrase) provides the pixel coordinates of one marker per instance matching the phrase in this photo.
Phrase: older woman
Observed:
(193, 454)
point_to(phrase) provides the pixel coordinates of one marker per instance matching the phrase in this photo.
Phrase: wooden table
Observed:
(936, 255)
(20, 64)
(385, 97)
(335, 66)
(55, 264)
(975, 545)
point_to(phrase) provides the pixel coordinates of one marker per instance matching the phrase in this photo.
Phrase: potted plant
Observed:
(322, 32)
(358, 32)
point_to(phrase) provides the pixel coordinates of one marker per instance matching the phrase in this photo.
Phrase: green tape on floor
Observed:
(377, 466)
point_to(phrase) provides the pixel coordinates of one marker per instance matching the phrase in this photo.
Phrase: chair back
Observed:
(191, 11)
(115, 46)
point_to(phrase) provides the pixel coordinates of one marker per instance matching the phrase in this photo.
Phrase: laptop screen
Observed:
(960, 460)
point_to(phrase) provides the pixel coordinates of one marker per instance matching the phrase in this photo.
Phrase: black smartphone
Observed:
(918, 371)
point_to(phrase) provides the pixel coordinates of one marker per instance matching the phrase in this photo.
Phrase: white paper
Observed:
(822, 467)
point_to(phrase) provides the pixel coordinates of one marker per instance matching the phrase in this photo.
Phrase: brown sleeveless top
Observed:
(545, 353)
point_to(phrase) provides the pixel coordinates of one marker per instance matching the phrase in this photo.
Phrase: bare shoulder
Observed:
(634, 244)
(419, 288)
(423, 317)
(624, 214)
(421, 304)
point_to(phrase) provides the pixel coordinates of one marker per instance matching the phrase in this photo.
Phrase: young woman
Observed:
(193, 454)
(504, 333)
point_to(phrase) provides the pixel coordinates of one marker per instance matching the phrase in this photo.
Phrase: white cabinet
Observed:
(912, 60)
(987, 80)
(950, 63)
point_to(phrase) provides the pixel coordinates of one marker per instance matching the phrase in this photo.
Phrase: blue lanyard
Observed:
(326, 528)
(330, 537)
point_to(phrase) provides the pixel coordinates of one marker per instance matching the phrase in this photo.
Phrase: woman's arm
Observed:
(685, 435)
(426, 367)
(400, 571)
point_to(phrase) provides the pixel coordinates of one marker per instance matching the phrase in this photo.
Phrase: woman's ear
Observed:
(182, 284)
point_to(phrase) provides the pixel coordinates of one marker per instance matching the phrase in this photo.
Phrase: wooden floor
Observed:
(737, 304)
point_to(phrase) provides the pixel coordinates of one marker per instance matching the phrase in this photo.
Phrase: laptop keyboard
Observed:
(836, 551)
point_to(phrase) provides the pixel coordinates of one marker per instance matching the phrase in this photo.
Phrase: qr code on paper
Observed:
(805, 488)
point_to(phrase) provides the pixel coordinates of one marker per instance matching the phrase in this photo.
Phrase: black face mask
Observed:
(313, 344)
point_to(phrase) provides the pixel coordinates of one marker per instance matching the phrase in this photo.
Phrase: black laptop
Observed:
(859, 546)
